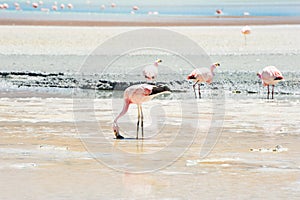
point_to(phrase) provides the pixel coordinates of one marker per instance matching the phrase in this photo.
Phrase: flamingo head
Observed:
(214, 66)
(217, 64)
(116, 129)
(158, 61)
(259, 75)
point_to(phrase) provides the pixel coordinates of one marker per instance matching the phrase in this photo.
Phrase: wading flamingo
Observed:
(138, 94)
(270, 76)
(202, 75)
(219, 12)
(150, 72)
(135, 8)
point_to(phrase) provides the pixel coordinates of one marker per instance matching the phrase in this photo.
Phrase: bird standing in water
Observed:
(270, 76)
(138, 94)
(202, 75)
(150, 72)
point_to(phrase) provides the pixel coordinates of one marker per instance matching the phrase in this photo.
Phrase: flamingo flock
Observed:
(56, 6)
(141, 93)
(38, 4)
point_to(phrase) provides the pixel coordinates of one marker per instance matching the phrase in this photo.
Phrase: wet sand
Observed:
(158, 21)
(42, 150)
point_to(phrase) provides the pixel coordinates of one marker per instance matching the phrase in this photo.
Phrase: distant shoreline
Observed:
(161, 21)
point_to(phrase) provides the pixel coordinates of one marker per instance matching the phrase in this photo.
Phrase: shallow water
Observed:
(82, 67)
(92, 9)
(45, 141)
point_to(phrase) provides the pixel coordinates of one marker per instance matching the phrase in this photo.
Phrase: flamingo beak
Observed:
(159, 61)
(217, 64)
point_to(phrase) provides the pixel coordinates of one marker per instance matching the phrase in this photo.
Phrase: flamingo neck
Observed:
(156, 64)
(124, 110)
(212, 68)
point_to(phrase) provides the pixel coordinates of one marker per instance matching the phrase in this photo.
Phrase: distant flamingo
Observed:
(219, 12)
(16, 4)
(113, 5)
(70, 6)
(150, 72)
(5, 6)
(270, 76)
(202, 75)
(54, 7)
(35, 5)
(246, 30)
(135, 8)
(138, 94)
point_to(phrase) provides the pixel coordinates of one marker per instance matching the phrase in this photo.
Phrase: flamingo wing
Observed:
(204, 75)
(150, 72)
(271, 75)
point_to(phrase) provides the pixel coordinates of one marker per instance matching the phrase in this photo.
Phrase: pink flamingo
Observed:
(219, 12)
(70, 6)
(135, 8)
(138, 94)
(202, 75)
(246, 30)
(270, 76)
(5, 6)
(150, 72)
(35, 5)
(54, 7)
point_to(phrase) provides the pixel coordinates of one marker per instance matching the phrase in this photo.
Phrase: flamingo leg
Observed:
(138, 122)
(268, 92)
(272, 91)
(199, 91)
(194, 89)
(142, 121)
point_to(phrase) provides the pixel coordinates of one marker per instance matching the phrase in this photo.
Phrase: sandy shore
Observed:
(162, 21)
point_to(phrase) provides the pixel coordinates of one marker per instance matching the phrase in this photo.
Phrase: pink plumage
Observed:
(138, 94)
(270, 76)
(150, 72)
(202, 75)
